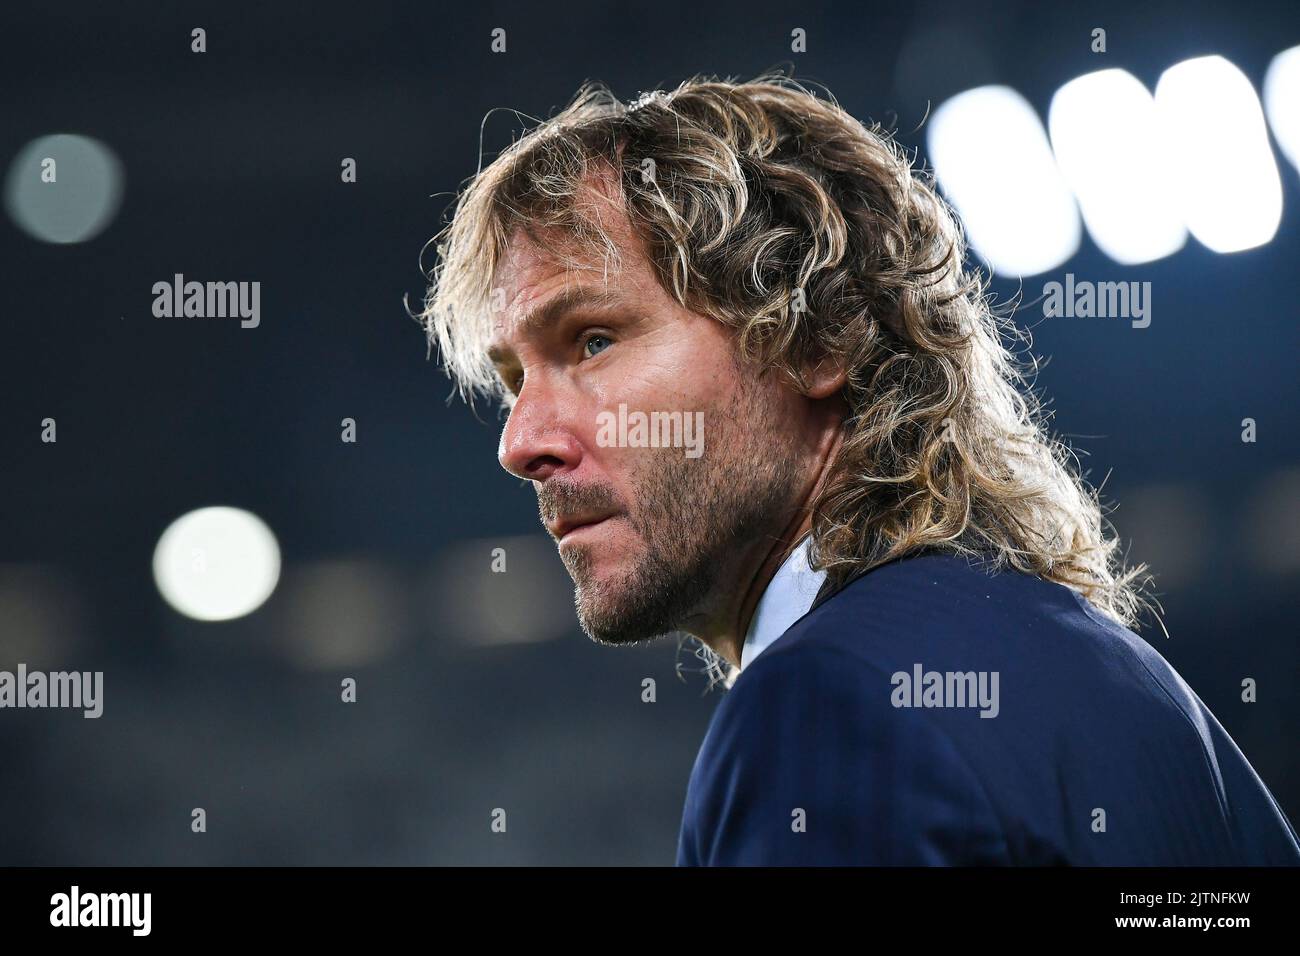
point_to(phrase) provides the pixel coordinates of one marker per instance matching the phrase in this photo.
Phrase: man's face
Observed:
(650, 535)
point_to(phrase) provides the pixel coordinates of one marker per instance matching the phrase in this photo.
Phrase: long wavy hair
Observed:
(813, 237)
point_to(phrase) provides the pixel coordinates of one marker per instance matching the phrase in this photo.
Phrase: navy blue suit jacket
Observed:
(1099, 753)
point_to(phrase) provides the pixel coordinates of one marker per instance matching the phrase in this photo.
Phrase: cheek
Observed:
(685, 369)
(675, 377)
(641, 382)
(616, 465)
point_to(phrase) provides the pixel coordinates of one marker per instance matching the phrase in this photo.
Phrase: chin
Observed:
(613, 630)
(609, 614)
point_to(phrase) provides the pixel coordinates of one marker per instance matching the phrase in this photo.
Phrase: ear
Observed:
(825, 378)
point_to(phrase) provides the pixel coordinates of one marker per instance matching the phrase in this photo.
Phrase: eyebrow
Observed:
(571, 299)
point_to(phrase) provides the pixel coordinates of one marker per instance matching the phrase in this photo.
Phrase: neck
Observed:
(728, 638)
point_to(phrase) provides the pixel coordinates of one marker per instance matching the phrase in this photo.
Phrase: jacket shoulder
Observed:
(804, 764)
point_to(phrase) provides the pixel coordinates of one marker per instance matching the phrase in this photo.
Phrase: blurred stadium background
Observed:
(477, 690)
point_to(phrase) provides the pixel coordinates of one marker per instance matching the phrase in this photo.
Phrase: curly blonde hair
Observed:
(810, 235)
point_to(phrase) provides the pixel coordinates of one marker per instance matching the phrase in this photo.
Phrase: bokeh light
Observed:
(64, 188)
(216, 563)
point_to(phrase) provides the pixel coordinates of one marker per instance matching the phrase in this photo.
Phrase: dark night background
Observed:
(477, 690)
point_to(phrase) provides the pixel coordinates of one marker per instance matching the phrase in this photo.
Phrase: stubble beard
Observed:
(691, 516)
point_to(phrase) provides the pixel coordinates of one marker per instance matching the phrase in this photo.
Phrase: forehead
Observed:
(538, 262)
(537, 282)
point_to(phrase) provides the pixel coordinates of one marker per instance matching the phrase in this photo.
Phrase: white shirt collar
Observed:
(788, 596)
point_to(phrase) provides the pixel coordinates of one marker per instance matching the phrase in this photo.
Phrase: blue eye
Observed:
(594, 339)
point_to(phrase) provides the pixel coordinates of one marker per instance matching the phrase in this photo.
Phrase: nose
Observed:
(538, 439)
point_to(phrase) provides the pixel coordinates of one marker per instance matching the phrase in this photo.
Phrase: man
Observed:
(911, 596)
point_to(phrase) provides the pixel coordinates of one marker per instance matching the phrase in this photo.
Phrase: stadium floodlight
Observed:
(1103, 131)
(1282, 102)
(1223, 172)
(994, 163)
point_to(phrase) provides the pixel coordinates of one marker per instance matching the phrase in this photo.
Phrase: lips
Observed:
(567, 525)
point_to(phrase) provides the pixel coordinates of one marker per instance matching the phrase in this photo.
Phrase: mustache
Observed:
(558, 497)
